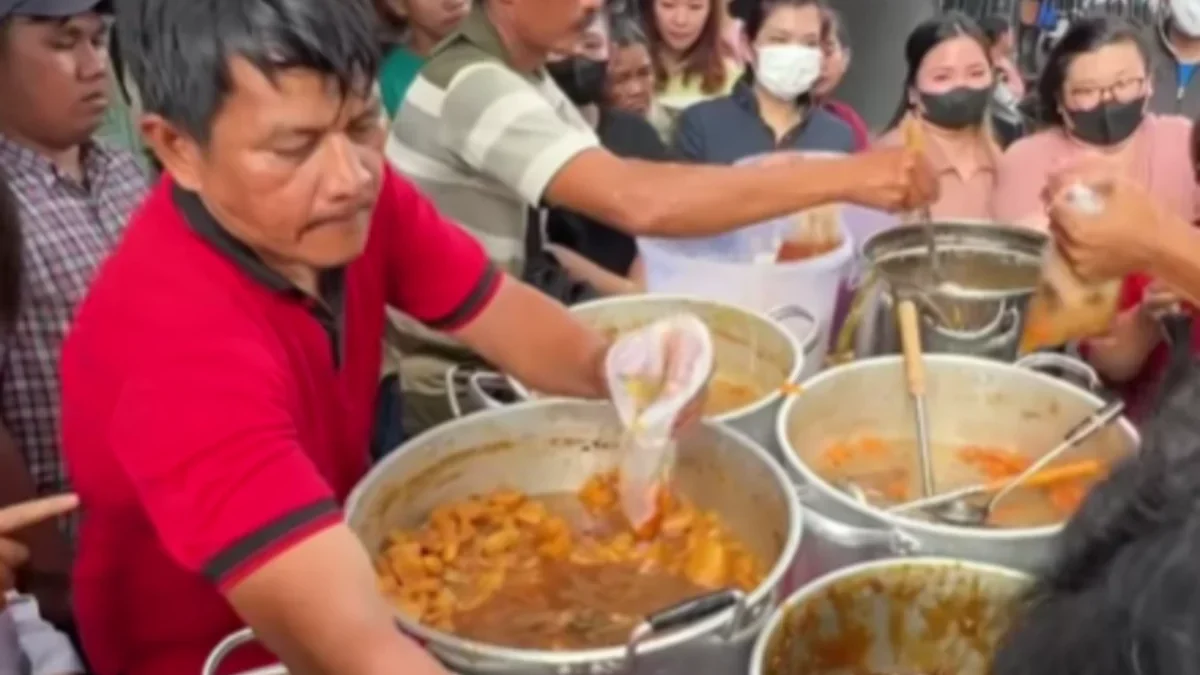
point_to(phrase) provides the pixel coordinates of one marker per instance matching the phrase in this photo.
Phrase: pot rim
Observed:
(486, 652)
(916, 527)
(825, 581)
(730, 416)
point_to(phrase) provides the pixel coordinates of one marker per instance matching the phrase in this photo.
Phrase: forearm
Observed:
(1120, 357)
(536, 340)
(1175, 260)
(679, 200)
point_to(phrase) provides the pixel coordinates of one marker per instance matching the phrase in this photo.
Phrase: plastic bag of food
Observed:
(653, 373)
(812, 232)
(1065, 307)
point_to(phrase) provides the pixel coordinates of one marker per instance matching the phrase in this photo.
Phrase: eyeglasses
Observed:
(1124, 89)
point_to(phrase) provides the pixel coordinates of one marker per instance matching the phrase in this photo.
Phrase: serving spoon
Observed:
(954, 509)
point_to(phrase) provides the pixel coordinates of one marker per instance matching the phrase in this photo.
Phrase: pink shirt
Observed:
(965, 187)
(1159, 160)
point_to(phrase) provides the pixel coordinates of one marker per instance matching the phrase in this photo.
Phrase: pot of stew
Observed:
(854, 425)
(499, 541)
(923, 616)
(758, 360)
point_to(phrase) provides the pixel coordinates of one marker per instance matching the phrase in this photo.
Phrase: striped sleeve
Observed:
(501, 125)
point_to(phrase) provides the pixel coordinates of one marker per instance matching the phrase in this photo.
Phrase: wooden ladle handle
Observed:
(910, 342)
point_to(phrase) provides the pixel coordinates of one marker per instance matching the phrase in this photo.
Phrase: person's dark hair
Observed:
(11, 268)
(757, 15)
(834, 26)
(1083, 36)
(924, 39)
(1121, 596)
(703, 60)
(392, 26)
(994, 28)
(178, 52)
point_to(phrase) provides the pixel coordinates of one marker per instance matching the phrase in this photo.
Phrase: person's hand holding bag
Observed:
(658, 379)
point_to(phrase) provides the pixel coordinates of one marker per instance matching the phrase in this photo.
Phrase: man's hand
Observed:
(1118, 240)
(17, 517)
(893, 179)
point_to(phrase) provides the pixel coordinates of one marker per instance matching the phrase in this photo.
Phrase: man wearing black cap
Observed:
(73, 198)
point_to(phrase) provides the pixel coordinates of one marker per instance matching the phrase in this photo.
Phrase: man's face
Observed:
(292, 166)
(554, 25)
(54, 78)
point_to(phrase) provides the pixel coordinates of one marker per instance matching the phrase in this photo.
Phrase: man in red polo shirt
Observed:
(218, 380)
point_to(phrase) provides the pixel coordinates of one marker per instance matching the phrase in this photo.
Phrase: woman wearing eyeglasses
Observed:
(1093, 96)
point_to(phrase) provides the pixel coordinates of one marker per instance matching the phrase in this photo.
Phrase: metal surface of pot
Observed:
(553, 446)
(921, 615)
(977, 305)
(749, 348)
(972, 401)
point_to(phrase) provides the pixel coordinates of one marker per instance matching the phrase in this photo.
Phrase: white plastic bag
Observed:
(653, 373)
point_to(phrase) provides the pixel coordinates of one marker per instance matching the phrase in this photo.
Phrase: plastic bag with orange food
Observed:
(1065, 307)
(653, 373)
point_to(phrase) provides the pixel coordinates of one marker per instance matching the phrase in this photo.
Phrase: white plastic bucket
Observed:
(713, 269)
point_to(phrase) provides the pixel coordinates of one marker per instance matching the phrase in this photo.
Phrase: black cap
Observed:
(49, 9)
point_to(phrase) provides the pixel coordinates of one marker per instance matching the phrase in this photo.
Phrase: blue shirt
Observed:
(727, 129)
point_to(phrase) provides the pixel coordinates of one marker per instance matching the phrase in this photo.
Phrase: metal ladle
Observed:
(953, 508)
(914, 371)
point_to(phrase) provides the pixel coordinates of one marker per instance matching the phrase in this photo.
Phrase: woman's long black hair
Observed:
(10, 256)
(1084, 35)
(923, 39)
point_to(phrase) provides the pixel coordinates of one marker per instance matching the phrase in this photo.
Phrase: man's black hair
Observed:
(178, 52)
(1122, 598)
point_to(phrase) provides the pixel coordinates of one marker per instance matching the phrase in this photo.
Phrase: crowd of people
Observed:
(332, 212)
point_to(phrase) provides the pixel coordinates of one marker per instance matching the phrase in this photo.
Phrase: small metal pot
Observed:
(875, 618)
(745, 342)
(554, 446)
(987, 275)
(970, 401)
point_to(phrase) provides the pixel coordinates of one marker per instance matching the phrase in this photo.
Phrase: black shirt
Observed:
(727, 129)
(626, 135)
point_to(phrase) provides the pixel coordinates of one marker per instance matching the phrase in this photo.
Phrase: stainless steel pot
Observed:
(748, 344)
(971, 401)
(987, 274)
(875, 618)
(554, 446)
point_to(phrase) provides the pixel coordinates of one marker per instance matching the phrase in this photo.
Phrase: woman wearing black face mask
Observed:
(1092, 98)
(589, 250)
(946, 96)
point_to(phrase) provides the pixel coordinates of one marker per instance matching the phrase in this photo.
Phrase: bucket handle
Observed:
(685, 613)
(229, 644)
(475, 383)
(897, 542)
(1041, 361)
(812, 325)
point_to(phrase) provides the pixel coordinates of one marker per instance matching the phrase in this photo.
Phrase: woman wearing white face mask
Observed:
(770, 108)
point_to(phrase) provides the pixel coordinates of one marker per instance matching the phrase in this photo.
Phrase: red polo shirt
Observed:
(213, 415)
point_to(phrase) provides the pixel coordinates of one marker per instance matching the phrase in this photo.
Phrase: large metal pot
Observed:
(924, 615)
(986, 276)
(970, 401)
(554, 446)
(747, 344)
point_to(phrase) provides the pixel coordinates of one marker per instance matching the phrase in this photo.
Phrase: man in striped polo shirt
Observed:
(488, 136)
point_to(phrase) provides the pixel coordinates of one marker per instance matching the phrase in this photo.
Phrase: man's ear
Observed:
(179, 153)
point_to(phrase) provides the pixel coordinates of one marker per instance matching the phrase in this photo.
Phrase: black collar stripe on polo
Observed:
(329, 310)
(249, 546)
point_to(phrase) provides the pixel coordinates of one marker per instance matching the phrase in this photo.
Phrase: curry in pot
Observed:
(887, 470)
(557, 572)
